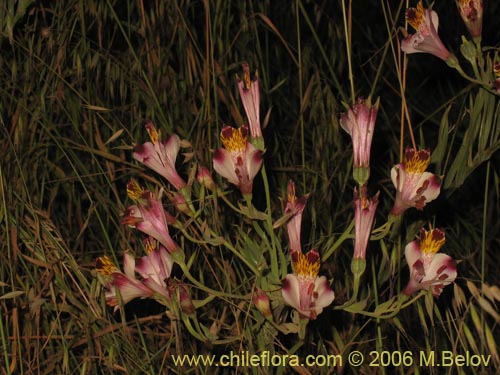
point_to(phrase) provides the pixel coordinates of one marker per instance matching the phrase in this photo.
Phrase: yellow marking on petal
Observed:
(134, 190)
(153, 134)
(234, 140)
(431, 241)
(105, 266)
(302, 266)
(415, 16)
(417, 161)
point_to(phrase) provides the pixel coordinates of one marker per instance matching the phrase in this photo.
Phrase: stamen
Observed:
(134, 190)
(150, 244)
(247, 83)
(291, 192)
(105, 266)
(234, 139)
(416, 161)
(306, 265)
(415, 16)
(431, 241)
(153, 134)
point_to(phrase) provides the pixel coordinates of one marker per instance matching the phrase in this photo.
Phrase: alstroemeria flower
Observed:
(250, 96)
(471, 12)
(303, 289)
(155, 268)
(429, 270)
(148, 216)
(160, 156)
(359, 123)
(125, 282)
(426, 38)
(294, 207)
(364, 214)
(414, 186)
(239, 161)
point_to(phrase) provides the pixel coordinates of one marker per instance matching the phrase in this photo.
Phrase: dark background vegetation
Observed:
(80, 77)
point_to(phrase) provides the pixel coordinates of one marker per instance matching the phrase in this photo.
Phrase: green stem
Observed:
(344, 236)
(483, 240)
(347, 33)
(269, 223)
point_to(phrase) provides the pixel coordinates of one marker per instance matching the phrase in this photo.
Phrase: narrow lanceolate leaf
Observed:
(476, 320)
(471, 339)
(439, 153)
(13, 294)
(491, 343)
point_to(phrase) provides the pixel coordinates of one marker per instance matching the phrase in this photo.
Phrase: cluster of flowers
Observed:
(148, 216)
(426, 38)
(239, 161)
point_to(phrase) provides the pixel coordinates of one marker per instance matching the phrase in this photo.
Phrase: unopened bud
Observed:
(204, 178)
(261, 301)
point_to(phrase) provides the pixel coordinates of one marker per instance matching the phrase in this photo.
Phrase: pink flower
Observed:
(294, 208)
(239, 161)
(414, 186)
(364, 214)
(471, 12)
(160, 156)
(426, 38)
(148, 216)
(155, 268)
(429, 270)
(250, 96)
(359, 123)
(303, 289)
(125, 282)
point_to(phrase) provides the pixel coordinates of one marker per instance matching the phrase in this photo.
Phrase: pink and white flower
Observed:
(294, 208)
(414, 186)
(359, 123)
(426, 38)
(364, 214)
(160, 156)
(471, 12)
(148, 216)
(303, 289)
(429, 270)
(126, 283)
(155, 268)
(250, 96)
(239, 161)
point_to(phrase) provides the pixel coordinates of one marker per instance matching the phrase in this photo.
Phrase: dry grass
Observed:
(79, 80)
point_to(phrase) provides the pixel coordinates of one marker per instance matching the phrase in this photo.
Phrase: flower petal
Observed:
(291, 291)
(223, 165)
